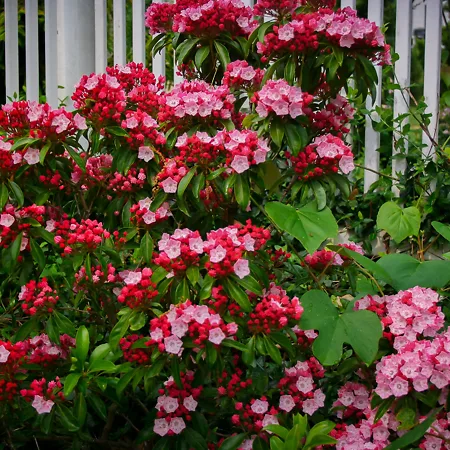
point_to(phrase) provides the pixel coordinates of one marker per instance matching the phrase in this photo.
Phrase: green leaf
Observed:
(44, 151)
(242, 190)
(14, 251)
(100, 352)
(249, 284)
(195, 439)
(117, 131)
(17, 192)
(102, 366)
(200, 55)
(147, 247)
(442, 229)
(76, 156)
(273, 350)
(233, 344)
(276, 443)
(222, 52)
(262, 30)
(409, 272)
(156, 368)
(119, 330)
(289, 70)
(277, 131)
(80, 409)
(70, 383)
(138, 320)
(198, 184)
(236, 293)
(415, 434)
(82, 344)
(52, 330)
(233, 442)
(25, 330)
(193, 274)
(292, 441)
(309, 225)
(184, 182)
(361, 329)
(320, 428)
(249, 355)
(68, 420)
(24, 142)
(319, 194)
(383, 408)
(4, 195)
(278, 430)
(124, 382)
(296, 137)
(319, 440)
(399, 223)
(64, 324)
(182, 52)
(98, 405)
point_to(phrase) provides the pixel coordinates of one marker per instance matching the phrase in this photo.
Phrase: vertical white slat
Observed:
(431, 91)
(31, 50)
(120, 32)
(12, 48)
(138, 31)
(159, 62)
(101, 49)
(372, 137)
(51, 68)
(176, 78)
(403, 39)
(75, 49)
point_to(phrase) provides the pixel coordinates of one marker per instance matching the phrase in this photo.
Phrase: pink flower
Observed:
(269, 419)
(287, 403)
(32, 156)
(169, 185)
(130, 277)
(161, 427)
(217, 254)
(260, 406)
(173, 344)
(241, 268)
(177, 425)
(190, 404)
(286, 33)
(305, 384)
(399, 387)
(173, 248)
(240, 164)
(170, 404)
(42, 406)
(7, 220)
(216, 336)
(80, 122)
(346, 164)
(145, 153)
(310, 406)
(196, 245)
(179, 328)
(4, 353)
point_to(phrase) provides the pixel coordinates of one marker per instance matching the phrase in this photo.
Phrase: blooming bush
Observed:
(164, 279)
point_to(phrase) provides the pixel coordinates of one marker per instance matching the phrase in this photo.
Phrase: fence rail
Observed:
(76, 43)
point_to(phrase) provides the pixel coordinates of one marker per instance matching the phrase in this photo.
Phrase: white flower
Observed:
(146, 153)
(216, 336)
(32, 156)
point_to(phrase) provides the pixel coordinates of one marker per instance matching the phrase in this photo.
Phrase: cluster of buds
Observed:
(241, 75)
(141, 214)
(255, 415)
(139, 290)
(43, 393)
(38, 297)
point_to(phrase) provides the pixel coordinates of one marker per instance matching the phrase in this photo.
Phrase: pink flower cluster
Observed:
(179, 251)
(326, 154)
(191, 102)
(100, 98)
(334, 118)
(322, 259)
(346, 29)
(175, 405)
(141, 214)
(132, 181)
(171, 174)
(142, 130)
(139, 290)
(13, 221)
(241, 75)
(135, 355)
(98, 276)
(439, 429)
(42, 351)
(299, 387)
(196, 322)
(140, 85)
(72, 236)
(274, 312)
(38, 120)
(255, 415)
(283, 100)
(43, 394)
(415, 366)
(226, 247)
(205, 18)
(38, 297)
(353, 399)
(281, 8)
(97, 171)
(407, 315)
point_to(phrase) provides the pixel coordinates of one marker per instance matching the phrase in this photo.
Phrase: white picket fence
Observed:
(76, 43)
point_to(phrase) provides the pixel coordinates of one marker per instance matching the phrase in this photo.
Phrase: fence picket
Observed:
(101, 49)
(120, 32)
(372, 137)
(431, 82)
(138, 31)
(11, 48)
(403, 36)
(31, 50)
(51, 62)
